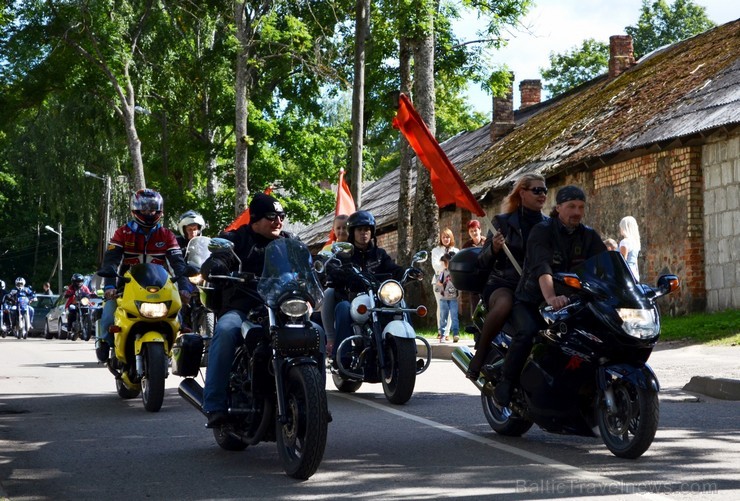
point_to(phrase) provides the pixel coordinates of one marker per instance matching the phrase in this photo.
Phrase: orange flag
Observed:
(244, 216)
(345, 203)
(448, 186)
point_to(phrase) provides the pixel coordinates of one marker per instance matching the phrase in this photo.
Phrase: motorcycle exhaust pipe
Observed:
(192, 392)
(462, 356)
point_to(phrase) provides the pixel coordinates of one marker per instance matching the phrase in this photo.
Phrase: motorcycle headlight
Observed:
(85, 301)
(196, 280)
(641, 324)
(295, 308)
(153, 310)
(390, 293)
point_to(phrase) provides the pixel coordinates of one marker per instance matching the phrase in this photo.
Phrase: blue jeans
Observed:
(448, 309)
(106, 320)
(343, 323)
(226, 339)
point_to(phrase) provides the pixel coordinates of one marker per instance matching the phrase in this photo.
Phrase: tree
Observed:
(662, 24)
(659, 24)
(576, 66)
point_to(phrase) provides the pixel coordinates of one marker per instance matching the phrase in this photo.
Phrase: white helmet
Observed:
(20, 282)
(188, 218)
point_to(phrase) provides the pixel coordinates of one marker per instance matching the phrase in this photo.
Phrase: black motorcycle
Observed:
(200, 319)
(84, 325)
(382, 345)
(587, 372)
(277, 381)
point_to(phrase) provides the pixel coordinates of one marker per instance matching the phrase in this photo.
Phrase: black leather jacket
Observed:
(374, 260)
(250, 247)
(515, 227)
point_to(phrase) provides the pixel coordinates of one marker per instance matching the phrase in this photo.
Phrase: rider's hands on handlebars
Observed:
(558, 302)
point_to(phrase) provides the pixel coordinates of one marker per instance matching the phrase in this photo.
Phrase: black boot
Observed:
(502, 393)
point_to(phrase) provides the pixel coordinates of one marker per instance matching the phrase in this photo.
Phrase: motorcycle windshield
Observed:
(608, 275)
(288, 271)
(148, 275)
(197, 251)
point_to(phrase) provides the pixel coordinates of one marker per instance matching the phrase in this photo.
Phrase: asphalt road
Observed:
(65, 434)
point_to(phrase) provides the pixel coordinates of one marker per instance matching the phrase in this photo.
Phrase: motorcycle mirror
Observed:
(420, 257)
(667, 284)
(345, 248)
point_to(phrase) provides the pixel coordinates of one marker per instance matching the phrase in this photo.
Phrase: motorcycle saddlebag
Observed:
(464, 271)
(186, 354)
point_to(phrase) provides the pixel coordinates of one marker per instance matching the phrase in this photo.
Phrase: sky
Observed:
(561, 25)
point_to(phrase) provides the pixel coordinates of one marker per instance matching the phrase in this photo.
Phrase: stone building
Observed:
(657, 139)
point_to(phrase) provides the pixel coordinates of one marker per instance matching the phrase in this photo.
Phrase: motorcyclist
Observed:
(76, 284)
(141, 240)
(5, 318)
(191, 225)
(521, 212)
(554, 246)
(367, 256)
(236, 300)
(21, 290)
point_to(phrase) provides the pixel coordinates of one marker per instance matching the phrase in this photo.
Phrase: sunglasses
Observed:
(272, 216)
(538, 190)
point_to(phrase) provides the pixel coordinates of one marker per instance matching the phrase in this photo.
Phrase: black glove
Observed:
(416, 274)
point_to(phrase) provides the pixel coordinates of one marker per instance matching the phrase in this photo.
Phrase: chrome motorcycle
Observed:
(382, 345)
(277, 383)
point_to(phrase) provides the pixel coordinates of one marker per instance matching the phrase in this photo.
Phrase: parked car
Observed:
(42, 304)
(57, 317)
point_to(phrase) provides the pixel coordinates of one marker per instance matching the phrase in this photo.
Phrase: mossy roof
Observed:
(687, 89)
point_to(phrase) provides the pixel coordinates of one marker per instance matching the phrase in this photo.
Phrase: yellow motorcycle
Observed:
(144, 329)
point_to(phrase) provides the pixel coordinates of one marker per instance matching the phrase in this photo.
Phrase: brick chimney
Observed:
(531, 93)
(503, 114)
(621, 56)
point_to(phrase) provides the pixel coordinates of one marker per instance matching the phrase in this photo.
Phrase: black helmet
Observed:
(77, 279)
(147, 200)
(188, 218)
(360, 218)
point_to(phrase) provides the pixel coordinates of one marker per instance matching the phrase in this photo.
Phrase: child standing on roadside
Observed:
(447, 303)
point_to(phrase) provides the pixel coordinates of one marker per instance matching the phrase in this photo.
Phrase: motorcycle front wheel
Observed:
(628, 429)
(400, 377)
(302, 439)
(155, 372)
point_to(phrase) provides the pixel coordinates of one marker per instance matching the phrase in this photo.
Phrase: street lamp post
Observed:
(106, 214)
(59, 234)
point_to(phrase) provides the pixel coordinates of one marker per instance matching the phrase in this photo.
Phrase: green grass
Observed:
(714, 329)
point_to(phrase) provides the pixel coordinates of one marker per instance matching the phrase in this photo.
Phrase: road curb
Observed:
(722, 388)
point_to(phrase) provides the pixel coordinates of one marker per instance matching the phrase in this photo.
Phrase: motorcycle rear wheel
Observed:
(502, 420)
(400, 356)
(226, 441)
(302, 439)
(155, 372)
(345, 385)
(124, 391)
(629, 431)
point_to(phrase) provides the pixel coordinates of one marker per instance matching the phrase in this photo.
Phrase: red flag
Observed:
(448, 186)
(345, 203)
(244, 216)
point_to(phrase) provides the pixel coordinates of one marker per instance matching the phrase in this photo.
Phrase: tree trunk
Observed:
(240, 129)
(362, 27)
(404, 199)
(134, 147)
(425, 234)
